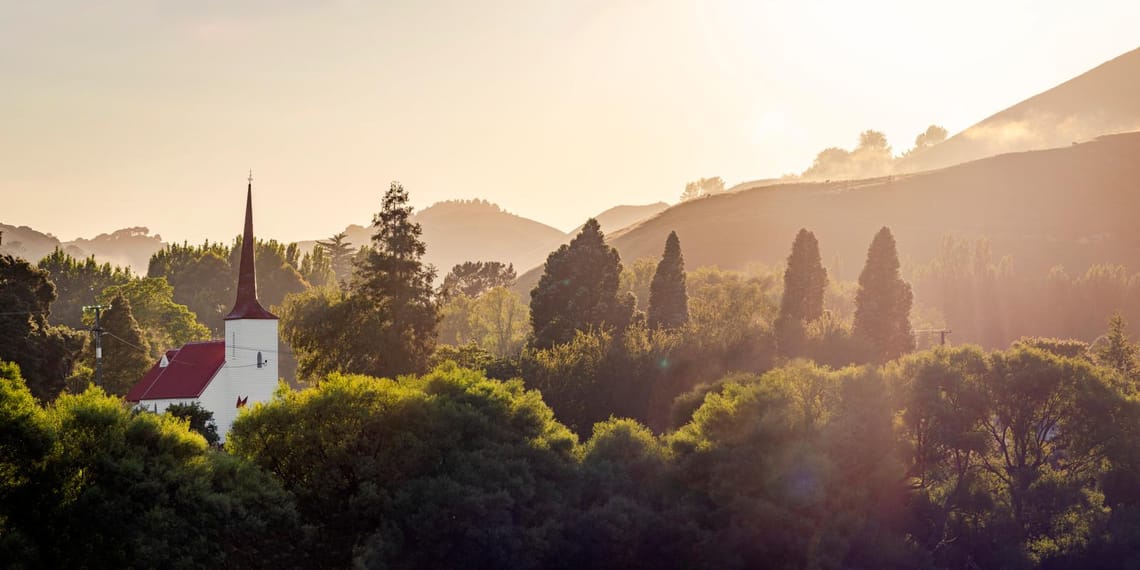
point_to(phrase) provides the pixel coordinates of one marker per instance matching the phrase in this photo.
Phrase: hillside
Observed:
(1073, 206)
(620, 217)
(1101, 101)
(473, 230)
(128, 247)
(26, 242)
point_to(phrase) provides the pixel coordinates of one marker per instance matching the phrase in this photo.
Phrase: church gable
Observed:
(186, 374)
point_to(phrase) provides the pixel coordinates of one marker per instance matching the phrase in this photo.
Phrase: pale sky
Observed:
(127, 113)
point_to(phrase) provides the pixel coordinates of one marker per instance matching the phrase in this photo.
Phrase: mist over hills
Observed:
(1074, 206)
(1103, 100)
(128, 247)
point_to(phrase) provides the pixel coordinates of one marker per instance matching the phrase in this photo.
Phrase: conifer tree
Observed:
(668, 300)
(1117, 352)
(882, 304)
(392, 290)
(126, 352)
(578, 290)
(805, 280)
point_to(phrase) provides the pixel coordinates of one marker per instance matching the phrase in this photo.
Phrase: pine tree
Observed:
(805, 280)
(126, 352)
(882, 305)
(1117, 352)
(578, 290)
(668, 300)
(392, 290)
(339, 252)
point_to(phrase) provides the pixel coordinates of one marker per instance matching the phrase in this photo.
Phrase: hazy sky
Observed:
(120, 113)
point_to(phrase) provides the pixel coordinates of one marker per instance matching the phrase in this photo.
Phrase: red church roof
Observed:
(189, 371)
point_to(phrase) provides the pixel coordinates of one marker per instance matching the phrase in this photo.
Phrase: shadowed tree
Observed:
(805, 280)
(668, 301)
(126, 352)
(44, 353)
(578, 290)
(882, 304)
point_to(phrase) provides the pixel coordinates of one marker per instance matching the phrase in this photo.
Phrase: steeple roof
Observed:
(246, 305)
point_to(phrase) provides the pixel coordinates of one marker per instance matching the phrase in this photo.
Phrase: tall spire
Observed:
(246, 305)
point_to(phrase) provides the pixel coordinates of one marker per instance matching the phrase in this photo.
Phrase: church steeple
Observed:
(246, 305)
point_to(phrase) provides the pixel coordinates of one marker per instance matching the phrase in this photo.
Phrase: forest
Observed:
(946, 413)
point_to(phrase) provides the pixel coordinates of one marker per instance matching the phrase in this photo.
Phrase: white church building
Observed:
(224, 375)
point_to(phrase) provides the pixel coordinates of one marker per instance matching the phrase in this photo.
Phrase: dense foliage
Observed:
(578, 290)
(45, 352)
(386, 322)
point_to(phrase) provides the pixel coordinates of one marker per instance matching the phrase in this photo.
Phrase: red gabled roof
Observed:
(189, 371)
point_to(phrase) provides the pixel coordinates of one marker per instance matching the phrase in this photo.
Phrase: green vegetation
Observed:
(385, 323)
(764, 418)
(668, 301)
(578, 290)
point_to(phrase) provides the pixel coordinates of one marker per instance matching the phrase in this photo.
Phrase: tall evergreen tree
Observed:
(578, 290)
(1117, 352)
(126, 353)
(668, 301)
(393, 291)
(882, 304)
(805, 280)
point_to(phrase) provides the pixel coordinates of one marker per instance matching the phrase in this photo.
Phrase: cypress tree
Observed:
(668, 301)
(805, 280)
(578, 290)
(882, 305)
(126, 352)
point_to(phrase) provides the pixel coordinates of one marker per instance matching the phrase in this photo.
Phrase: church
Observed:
(223, 375)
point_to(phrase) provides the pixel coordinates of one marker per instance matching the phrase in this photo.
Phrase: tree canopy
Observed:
(578, 290)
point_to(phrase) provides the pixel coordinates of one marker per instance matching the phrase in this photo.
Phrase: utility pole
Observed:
(97, 332)
(940, 332)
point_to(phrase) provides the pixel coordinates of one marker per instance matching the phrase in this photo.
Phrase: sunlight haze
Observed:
(150, 113)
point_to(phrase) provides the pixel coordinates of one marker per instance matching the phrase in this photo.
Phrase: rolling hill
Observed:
(1103, 100)
(472, 230)
(1072, 206)
(620, 217)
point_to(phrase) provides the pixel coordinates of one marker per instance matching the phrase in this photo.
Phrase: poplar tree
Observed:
(882, 304)
(578, 290)
(805, 280)
(668, 300)
(126, 352)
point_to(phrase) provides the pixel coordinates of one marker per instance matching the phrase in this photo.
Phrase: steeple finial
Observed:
(246, 305)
